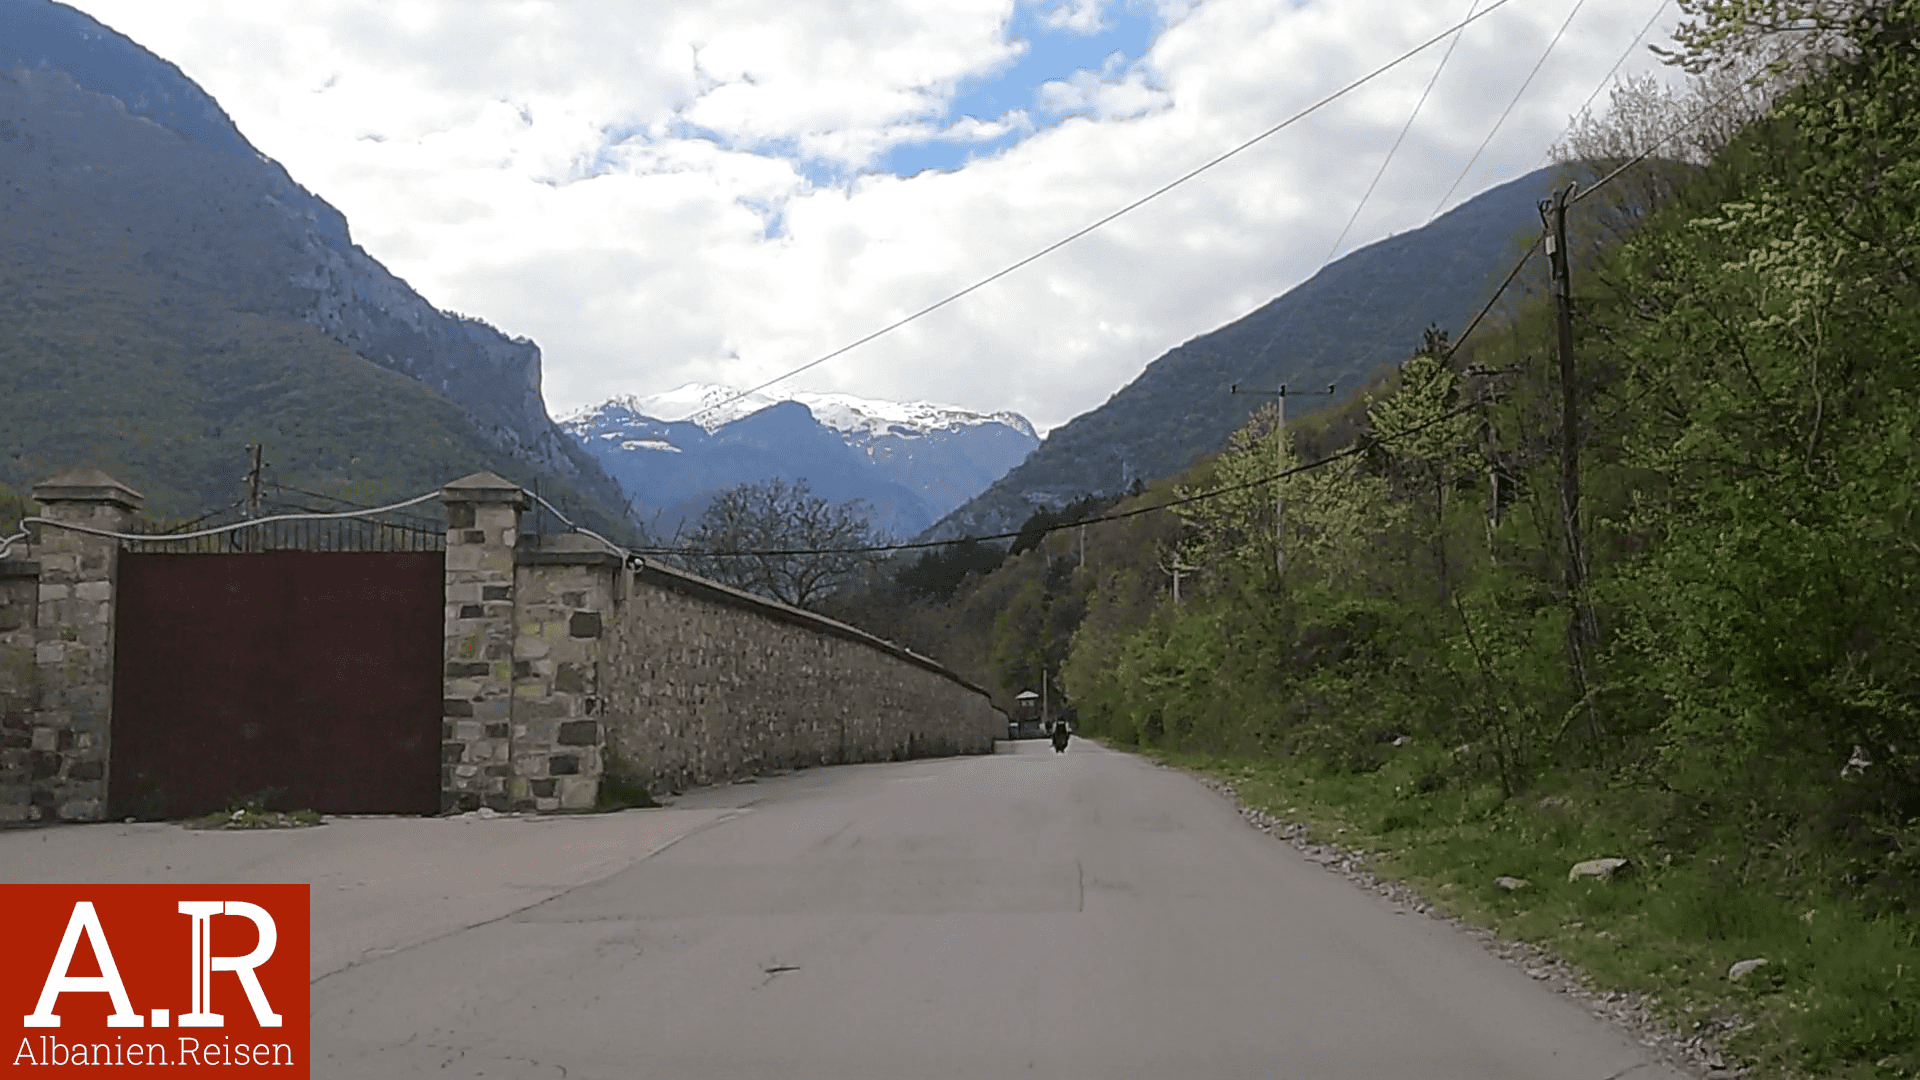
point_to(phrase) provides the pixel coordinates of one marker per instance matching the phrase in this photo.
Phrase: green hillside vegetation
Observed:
(1741, 716)
(105, 364)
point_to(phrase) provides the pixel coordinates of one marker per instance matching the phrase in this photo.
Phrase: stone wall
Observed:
(562, 665)
(19, 697)
(62, 773)
(704, 684)
(577, 666)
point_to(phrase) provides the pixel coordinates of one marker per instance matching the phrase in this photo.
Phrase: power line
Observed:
(1359, 448)
(1509, 109)
(1604, 79)
(1128, 208)
(1404, 128)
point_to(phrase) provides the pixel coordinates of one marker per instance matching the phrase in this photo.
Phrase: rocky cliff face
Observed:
(214, 212)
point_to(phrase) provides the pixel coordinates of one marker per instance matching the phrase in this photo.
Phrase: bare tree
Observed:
(782, 541)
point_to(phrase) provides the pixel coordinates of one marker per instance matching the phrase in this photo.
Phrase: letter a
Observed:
(84, 919)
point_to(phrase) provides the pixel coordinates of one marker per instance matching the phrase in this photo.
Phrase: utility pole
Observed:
(253, 479)
(1279, 466)
(252, 542)
(1582, 634)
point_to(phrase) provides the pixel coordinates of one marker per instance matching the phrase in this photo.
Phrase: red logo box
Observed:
(203, 979)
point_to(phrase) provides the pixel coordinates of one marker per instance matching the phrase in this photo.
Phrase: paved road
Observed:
(1026, 914)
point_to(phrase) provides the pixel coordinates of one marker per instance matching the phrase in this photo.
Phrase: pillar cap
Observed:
(486, 487)
(87, 485)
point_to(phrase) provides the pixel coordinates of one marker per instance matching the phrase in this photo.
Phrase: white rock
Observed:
(1512, 884)
(1745, 968)
(1604, 869)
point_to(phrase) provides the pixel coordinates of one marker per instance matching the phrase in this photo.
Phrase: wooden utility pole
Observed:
(1582, 634)
(252, 541)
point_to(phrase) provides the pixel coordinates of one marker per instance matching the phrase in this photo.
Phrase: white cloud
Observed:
(660, 193)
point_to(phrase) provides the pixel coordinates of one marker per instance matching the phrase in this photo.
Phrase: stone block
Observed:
(82, 810)
(97, 591)
(459, 515)
(492, 710)
(563, 764)
(50, 593)
(579, 733)
(87, 770)
(569, 679)
(463, 558)
(456, 707)
(472, 611)
(468, 669)
(461, 592)
(546, 804)
(464, 689)
(468, 730)
(472, 536)
(530, 765)
(50, 652)
(531, 648)
(45, 739)
(497, 731)
(42, 764)
(584, 624)
(578, 792)
(496, 592)
(466, 771)
(452, 753)
(558, 707)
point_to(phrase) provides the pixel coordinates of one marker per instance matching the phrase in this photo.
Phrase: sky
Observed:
(662, 192)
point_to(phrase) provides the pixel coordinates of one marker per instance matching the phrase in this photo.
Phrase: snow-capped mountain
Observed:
(911, 461)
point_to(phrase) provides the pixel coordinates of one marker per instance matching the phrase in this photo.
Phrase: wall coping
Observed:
(566, 549)
(694, 585)
(486, 487)
(87, 485)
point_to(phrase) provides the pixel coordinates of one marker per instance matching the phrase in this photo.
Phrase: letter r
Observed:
(205, 963)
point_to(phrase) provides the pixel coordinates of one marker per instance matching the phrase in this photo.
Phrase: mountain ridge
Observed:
(1325, 330)
(109, 208)
(909, 461)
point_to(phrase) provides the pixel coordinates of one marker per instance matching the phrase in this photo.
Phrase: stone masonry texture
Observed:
(19, 685)
(483, 526)
(704, 685)
(69, 737)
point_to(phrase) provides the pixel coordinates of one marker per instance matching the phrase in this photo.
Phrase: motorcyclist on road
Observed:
(1060, 736)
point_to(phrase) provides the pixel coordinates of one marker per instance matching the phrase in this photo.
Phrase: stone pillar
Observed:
(73, 652)
(564, 599)
(483, 525)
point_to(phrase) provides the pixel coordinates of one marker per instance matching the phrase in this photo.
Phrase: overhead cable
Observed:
(1604, 79)
(1404, 128)
(1128, 208)
(1508, 111)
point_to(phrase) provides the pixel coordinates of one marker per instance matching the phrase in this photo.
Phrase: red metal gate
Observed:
(310, 678)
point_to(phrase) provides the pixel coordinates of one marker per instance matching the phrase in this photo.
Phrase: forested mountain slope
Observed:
(1339, 326)
(168, 294)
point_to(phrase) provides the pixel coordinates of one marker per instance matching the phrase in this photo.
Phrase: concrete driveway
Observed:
(380, 884)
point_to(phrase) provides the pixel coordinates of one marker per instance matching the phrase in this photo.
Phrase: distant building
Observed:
(1026, 722)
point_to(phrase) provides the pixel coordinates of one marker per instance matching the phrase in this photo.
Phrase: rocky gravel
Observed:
(1696, 1053)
